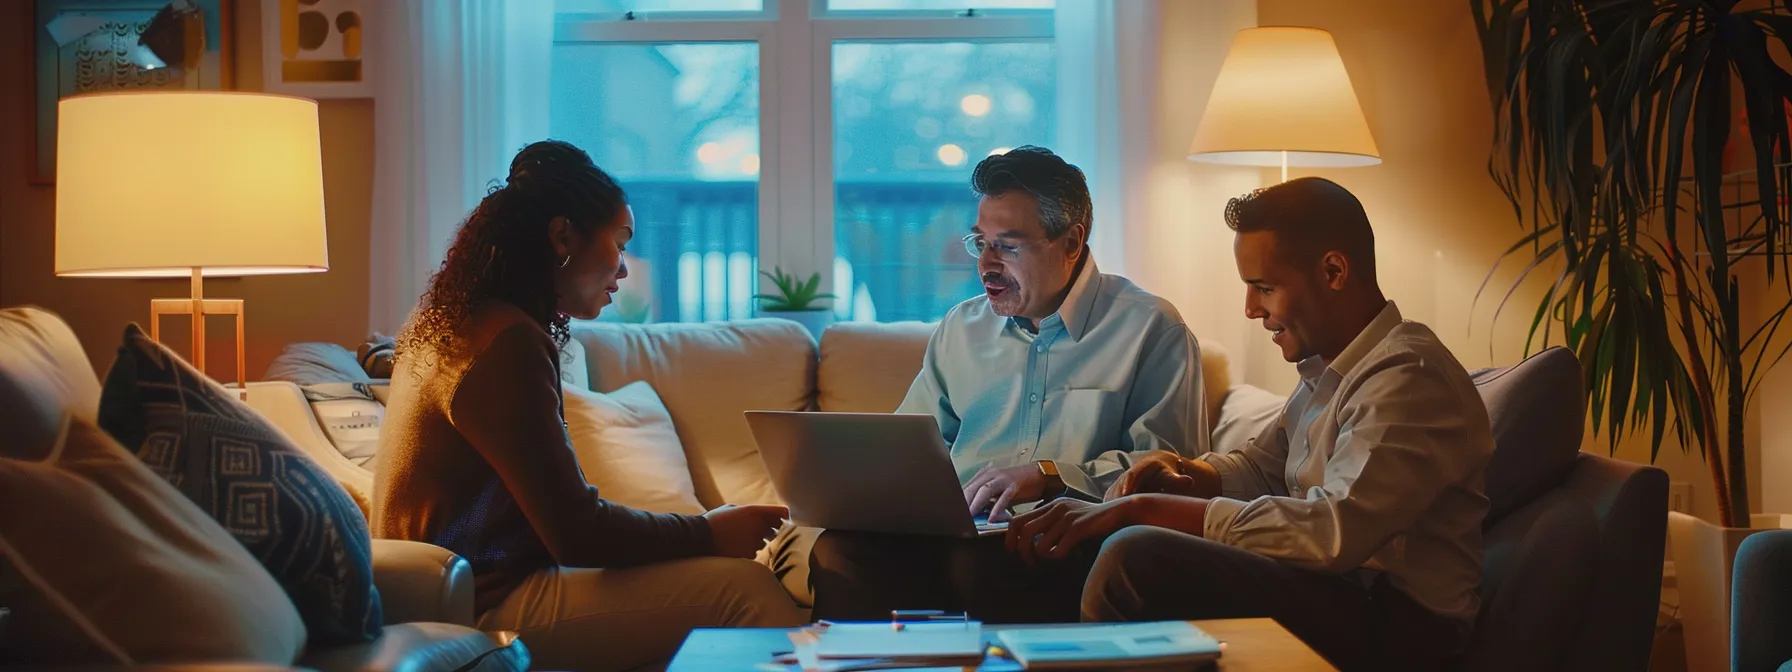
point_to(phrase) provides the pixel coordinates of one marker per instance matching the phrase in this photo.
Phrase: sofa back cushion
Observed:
(708, 375)
(47, 375)
(868, 367)
(103, 562)
(1537, 411)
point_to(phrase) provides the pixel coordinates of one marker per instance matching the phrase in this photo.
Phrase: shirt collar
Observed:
(1078, 304)
(1366, 340)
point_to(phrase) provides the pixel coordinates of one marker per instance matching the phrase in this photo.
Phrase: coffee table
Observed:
(1252, 645)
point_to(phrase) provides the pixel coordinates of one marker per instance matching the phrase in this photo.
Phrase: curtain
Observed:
(463, 85)
(1134, 77)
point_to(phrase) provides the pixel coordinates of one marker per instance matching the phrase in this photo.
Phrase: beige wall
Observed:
(329, 306)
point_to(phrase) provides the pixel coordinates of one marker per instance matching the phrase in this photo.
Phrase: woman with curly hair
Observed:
(475, 457)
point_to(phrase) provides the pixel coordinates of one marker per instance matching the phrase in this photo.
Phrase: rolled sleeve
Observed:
(1221, 511)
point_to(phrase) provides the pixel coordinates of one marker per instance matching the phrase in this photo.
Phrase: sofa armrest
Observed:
(1631, 502)
(422, 583)
(283, 405)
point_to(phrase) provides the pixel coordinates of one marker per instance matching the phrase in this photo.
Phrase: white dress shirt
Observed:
(1374, 467)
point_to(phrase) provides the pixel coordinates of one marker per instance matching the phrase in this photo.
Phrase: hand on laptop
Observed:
(994, 489)
(740, 531)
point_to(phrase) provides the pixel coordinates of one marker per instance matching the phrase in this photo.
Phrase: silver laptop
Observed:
(867, 472)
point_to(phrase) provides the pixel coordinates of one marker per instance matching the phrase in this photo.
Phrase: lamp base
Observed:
(160, 307)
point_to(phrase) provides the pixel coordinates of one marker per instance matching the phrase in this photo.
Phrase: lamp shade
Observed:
(157, 184)
(1284, 90)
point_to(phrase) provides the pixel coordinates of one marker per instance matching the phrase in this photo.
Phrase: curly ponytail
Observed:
(502, 251)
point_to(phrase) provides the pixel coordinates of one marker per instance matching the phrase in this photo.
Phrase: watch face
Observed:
(1048, 468)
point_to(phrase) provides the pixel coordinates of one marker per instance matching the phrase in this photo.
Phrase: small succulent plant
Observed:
(793, 294)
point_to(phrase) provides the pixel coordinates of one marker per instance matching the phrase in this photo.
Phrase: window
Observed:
(813, 136)
(678, 126)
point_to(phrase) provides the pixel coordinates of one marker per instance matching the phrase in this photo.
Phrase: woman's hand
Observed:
(740, 531)
(1051, 531)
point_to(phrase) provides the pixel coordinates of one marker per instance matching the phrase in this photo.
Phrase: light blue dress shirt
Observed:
(1114, 372)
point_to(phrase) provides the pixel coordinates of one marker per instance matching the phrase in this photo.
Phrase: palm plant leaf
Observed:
(1612, 122)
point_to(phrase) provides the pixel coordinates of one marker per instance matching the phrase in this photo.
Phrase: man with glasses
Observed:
(1047, 385)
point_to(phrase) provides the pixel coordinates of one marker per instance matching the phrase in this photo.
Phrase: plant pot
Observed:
(815, 321)
(1704, 558)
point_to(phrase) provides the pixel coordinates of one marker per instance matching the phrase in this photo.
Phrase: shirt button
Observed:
(1033, 398)
(1039, 348)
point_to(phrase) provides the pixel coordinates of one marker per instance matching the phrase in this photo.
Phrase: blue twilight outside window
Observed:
(679, 126)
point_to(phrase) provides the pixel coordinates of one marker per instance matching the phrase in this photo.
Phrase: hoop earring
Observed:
(567, 260)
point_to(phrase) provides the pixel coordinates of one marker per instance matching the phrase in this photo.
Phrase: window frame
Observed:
(796, 116)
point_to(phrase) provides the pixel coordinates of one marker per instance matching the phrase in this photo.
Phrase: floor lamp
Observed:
(189, 185)
(1284, 99)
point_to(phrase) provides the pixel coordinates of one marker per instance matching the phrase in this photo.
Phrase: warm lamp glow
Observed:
(160, 184)
(1283, 98)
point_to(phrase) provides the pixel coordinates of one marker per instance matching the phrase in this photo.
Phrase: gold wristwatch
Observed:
(1054, 484)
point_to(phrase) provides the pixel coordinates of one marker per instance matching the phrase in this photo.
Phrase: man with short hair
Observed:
(1355, 519)
(1052, 383)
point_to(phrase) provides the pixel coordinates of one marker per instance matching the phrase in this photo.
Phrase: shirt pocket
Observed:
(1081, 424)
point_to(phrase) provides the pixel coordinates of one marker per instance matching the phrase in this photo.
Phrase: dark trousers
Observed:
(1149, 574)
(859, 576)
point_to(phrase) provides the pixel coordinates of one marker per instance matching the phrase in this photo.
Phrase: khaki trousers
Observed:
(628, 618)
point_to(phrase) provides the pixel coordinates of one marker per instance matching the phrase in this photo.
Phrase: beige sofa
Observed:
(708, 375)
(426, 592)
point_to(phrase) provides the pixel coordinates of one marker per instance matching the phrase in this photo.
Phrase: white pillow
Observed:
(1246, 412)
(627, 447)
(351, 415)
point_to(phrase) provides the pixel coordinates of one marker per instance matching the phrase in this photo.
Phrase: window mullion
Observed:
(794, 233)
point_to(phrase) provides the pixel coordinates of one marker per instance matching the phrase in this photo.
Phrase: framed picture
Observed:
(90, 46)
(317, 48)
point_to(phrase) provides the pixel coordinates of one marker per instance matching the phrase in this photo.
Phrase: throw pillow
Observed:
(351, 414)
(104, 563)
(627, 447)
(1245, 413)
(285, 508)
(314, 364)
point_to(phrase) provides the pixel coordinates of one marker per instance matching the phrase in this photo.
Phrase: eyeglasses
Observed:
(975, 246)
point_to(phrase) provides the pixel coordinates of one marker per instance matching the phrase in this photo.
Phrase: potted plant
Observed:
(1645, 195)
(796, 300)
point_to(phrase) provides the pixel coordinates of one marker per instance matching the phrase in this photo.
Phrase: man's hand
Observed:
(995, 489)
(1168, 473)
(740, 531)
(1051, 531)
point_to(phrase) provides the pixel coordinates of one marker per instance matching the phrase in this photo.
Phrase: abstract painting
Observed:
(316, 48)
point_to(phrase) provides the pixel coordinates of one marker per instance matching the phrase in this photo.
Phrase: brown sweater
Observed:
(474, 457)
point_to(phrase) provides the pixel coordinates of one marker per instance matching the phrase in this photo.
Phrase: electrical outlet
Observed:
(1680, 497)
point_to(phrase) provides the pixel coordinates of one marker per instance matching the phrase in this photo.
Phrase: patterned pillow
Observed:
(289, 512)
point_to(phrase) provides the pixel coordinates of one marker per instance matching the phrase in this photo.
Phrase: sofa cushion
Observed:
(288, 511)
(709, 375)
(1538, 564)
(114, 565)
(48, 376)
(1536, 409)
(867, 367)
(628, 448)
(1245, 413)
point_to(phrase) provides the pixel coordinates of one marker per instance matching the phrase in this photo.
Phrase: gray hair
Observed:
(1060, 188)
